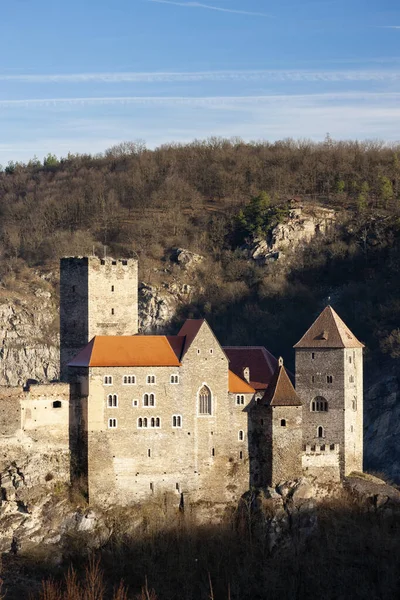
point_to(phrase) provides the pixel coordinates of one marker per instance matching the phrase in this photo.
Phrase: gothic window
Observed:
(151, 379)
(129, 380)
(283, 422)
(57, 404)
(205, 401)
(174, 379)
(241, 436)
(320, 432)
(176, 421)
(112, 401)
(319, 404)
(108, 380)
(112, 423)
(239, 399)
(329, 379)
(149, 400)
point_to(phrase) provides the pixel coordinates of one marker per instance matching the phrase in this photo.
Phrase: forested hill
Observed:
(207, 196)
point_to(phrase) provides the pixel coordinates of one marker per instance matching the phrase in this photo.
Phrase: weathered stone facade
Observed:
(98, 296)
(146, 415)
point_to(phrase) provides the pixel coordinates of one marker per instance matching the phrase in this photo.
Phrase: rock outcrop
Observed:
(298, 229)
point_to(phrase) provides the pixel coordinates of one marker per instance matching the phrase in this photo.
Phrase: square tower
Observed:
(329, 382)
(98, 296)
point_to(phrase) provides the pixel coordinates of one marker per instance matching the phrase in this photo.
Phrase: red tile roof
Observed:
(128, 351)
(329, 331)
(236, 385)
(280, 391)
(261, 363)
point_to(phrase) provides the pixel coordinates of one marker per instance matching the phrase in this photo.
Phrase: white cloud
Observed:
(210, 7)
(282, 75)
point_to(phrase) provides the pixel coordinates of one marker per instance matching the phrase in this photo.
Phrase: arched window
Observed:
(329, 379)
(239, 399)
(320, 432)
(157, 421)
(140, 422)
(205, 401)
(152, 422)
(146, 400)
(107, 380)
(112, 423)
(112, 400)
(174, 379)
(319, 404)
(129, 380)
(145, 422)
(151, 379)
(152, 400)
(283, 422)
(241, 436)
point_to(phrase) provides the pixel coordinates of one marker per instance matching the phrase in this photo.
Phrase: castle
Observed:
(149, 414)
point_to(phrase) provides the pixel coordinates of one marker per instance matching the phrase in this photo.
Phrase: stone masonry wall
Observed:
(286, 443)
(354, 430)
(326, 362)
(201, 458)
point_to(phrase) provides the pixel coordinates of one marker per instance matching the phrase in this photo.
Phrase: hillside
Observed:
(270, 262)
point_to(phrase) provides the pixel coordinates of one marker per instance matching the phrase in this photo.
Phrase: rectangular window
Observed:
(112, 288)
(112, 311)
(312, 355)
(112, 423)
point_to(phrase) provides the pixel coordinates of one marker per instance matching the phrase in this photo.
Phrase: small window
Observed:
(241, 436)
(151, 379)
(145, 422)
(174, 379)
(213, 452)
(140, 422)
(114, 262)
(112, 311)
(319, 404)
(112, 423)
(351, 429)
(74, 288)
(129, 380)
(320, 432)
(177, 486)
(239, 399)
(211, 351)
(124, 262)
(152, 422)
(149, 454)
(332, 447)
(149, 400)
(350, 359)
(312, 355)
(112, 288)
(351, 379)
(198, 350)
(151, 483)
(108, 380)
(354, 403)
(312, 379)
(112, 401)
(57, 404)
(329, 379)
(102, 262)
(283, 422)
(241, 455)
(176, 421)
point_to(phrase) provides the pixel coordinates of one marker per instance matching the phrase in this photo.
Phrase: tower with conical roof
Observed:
(280, 452)
(329, 382)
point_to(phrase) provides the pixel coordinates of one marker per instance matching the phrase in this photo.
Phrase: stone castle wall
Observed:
(204, 458)
(97, 297)
(353, 416)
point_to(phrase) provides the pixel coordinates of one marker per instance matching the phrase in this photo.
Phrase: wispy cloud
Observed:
(390, 26)
(210, 7)
(232, 75)
(209, 101)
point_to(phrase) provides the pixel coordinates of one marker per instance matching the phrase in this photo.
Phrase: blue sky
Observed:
(83, 75)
